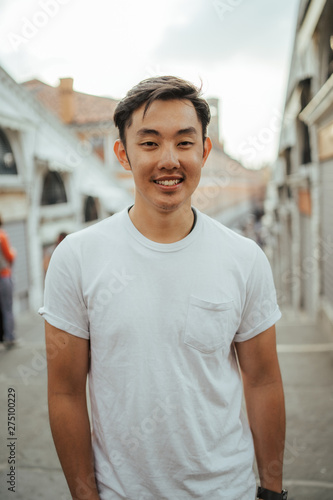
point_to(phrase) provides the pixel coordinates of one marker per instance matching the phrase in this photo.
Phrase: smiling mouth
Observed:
(171, 182)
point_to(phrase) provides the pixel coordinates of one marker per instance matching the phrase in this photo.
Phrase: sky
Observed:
(239, 49)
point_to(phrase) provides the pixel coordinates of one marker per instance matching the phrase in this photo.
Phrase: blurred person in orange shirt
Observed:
(7, 257)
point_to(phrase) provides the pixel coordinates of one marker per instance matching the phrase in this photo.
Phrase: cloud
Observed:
(255, 28)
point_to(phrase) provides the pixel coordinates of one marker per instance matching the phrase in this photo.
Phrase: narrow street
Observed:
(306, 360)
(306, 357)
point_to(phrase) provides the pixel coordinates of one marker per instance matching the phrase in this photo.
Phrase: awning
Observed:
(14, 122)
(99, 184)
(53, 165)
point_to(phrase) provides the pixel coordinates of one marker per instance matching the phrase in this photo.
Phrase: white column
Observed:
(35, 256)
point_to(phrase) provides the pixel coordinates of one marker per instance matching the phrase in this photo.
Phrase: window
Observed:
(287, 157)
(330, 58)
(90, 210)
(7, 160)
(281, 192)
(53, 189)
(305, 147)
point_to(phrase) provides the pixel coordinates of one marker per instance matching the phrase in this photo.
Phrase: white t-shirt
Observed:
(164, 383)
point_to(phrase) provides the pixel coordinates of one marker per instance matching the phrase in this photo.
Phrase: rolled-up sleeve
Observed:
(64, 305)
(260, 310)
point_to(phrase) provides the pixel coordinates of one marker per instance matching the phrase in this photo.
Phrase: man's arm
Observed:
(265, 404)
(68, 364)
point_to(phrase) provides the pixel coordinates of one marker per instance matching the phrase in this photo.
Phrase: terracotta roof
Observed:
(87, 108)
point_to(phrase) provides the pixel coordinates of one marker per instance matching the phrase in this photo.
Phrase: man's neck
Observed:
(163, 227)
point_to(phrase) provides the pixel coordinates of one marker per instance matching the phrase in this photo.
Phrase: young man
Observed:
(158, 304)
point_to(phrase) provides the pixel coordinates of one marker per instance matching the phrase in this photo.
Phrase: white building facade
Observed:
(301, 215)
(48, 185)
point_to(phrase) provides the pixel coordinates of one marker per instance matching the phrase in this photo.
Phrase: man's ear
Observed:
(207, 149)
(121, 154)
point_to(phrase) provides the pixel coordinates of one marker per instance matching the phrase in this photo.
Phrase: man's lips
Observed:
(168, 181)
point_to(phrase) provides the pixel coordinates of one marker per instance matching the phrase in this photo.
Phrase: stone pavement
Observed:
(306, 357)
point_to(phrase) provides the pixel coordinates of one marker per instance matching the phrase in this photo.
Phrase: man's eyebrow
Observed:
(188, 130)
(150, 131)
(147, 131)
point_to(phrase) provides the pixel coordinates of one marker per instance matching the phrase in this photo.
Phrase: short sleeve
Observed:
(64, 305)
(260, 310)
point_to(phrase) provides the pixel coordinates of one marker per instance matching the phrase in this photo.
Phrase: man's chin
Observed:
(170, 207)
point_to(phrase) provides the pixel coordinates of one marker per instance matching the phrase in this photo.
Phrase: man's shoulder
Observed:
(91, 242)
(101, 229)
(228, 236)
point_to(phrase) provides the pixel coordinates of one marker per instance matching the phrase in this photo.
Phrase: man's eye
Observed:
(149, 143)
(186, 143)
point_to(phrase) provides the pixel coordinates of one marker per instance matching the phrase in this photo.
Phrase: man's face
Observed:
(165, 152)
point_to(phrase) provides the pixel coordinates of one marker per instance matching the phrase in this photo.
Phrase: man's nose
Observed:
(169, 158)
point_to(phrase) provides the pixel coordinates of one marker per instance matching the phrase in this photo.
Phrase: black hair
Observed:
(164, 88)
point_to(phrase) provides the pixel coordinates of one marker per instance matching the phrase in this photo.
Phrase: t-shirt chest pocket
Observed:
(208, 325)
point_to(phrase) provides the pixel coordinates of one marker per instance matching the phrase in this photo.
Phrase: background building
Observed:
(48, 185)
(301, 202)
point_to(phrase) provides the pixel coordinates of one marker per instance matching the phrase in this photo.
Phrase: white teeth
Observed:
(169, 183)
